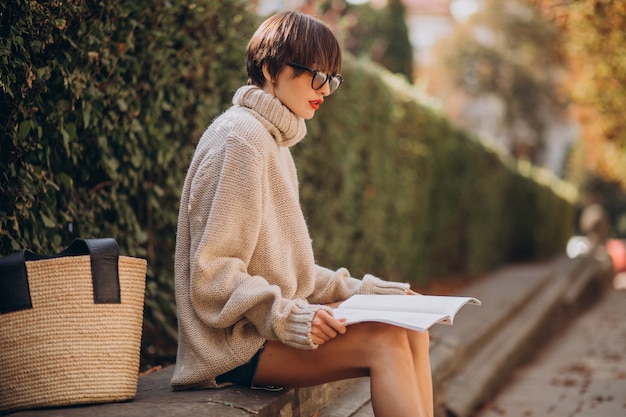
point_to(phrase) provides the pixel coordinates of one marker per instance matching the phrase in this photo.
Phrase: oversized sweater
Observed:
(244, 265)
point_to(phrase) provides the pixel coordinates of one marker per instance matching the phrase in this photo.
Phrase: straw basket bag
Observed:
(70, 326)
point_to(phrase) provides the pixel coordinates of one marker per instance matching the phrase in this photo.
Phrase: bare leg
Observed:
(380, 351)
(420, 346)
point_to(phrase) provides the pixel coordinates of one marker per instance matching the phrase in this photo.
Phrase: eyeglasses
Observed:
(320, 78)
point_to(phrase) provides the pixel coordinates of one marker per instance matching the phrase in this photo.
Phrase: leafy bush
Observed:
(102, 103)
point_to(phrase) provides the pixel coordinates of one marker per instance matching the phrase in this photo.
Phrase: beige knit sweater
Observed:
(244, 265)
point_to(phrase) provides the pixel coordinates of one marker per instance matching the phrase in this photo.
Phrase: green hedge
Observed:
(391, 187)
(103, 102)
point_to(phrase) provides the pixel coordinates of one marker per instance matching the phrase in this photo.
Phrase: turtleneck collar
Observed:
(287, 128)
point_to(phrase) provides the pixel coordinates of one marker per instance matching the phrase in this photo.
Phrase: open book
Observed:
(415, 312)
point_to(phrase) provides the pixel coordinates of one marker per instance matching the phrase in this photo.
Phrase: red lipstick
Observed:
(316, 103)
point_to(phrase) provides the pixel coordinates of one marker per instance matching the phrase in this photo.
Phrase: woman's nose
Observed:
(325, 89)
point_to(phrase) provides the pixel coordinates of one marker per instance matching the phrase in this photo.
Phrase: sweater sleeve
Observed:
(224, 212)
(332, 286)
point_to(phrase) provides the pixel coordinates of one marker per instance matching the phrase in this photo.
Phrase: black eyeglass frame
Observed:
(327, 77)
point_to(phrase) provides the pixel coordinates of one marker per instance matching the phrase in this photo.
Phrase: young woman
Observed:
(253, 307)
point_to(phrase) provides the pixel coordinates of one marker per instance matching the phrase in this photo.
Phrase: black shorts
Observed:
(242, 375)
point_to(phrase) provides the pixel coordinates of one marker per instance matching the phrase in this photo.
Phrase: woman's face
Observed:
(297, 93)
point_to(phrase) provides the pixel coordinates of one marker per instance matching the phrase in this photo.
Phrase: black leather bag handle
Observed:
(104, 254)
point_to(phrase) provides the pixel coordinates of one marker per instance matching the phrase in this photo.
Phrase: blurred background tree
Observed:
(377, 33)
(595, 34)
(500, 75)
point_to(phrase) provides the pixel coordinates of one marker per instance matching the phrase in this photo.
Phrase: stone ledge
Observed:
(156, 398)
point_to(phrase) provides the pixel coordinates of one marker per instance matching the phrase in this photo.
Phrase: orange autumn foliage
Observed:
(595, 34)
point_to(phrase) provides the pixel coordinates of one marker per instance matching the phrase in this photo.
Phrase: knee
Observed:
(385, 338)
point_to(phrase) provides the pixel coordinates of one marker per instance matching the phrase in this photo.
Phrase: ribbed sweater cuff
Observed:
(298, 325)
(373, 285)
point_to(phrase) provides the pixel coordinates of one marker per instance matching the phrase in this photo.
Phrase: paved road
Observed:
(580, 373)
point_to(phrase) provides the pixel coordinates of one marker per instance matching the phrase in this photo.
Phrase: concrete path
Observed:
(580, 373)
(524, 308)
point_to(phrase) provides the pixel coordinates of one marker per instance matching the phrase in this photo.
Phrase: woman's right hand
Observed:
(325, 327)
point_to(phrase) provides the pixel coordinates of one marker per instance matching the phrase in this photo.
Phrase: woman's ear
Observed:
(267, 75)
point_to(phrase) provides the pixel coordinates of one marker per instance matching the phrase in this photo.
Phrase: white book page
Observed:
(414, 321)
(433, 304)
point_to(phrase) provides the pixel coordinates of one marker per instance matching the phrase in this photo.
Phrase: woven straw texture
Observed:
(66, 349)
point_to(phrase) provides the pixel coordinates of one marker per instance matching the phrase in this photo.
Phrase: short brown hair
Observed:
(291, 37)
